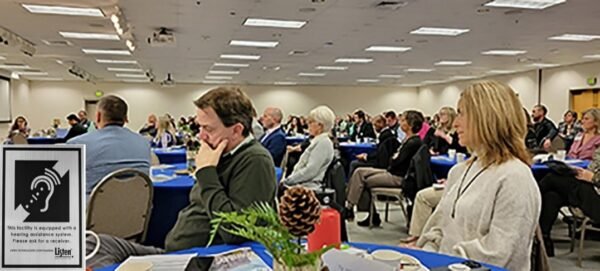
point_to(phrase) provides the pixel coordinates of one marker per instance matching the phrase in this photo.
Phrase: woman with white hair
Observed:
(311, 167)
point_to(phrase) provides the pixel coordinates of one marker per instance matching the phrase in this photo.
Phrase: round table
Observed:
(169, 198)
(171, 155)
(45, 140)
(429, 259)
(441, 165)
(350, 149)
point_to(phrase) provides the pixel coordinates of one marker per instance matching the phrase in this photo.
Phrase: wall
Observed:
(556, 84)
(43, 101)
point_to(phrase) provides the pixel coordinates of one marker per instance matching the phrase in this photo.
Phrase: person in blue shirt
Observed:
(274, 137)
(112, 146)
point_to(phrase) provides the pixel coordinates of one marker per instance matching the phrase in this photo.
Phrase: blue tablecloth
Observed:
(169, 198)
(171, 155)
(441, 165)
(430, 260)
(350, 150)
(293, 140)
(45, 140)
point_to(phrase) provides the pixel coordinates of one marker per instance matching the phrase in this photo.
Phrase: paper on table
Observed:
(337, 260)
(573, 161)
(161, 262)
(159, 178)
(162, 166)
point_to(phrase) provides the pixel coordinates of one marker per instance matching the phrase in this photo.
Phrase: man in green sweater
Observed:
(233, 172)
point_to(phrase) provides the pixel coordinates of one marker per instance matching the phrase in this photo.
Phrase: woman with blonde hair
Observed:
(588, 140)
(491, 203)
(443, 136)
(165, 137)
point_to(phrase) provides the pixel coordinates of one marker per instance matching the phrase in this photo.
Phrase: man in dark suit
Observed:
(545, 130)
(387, 144)
(274, 137)
(364, 129)
(76, 127)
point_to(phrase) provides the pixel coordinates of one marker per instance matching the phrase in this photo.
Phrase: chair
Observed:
(284, 162)
(557, 144)
(154, 161)
(107, 212)
(388, 195)
(581, 224)
(19, 139)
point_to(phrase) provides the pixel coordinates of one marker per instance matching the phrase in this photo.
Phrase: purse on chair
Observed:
(560, 168)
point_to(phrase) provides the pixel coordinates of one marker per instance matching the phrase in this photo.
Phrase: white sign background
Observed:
(42, 252)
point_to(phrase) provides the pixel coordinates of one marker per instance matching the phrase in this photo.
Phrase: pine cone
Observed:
(299, 210)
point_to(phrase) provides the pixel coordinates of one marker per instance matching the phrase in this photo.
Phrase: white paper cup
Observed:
(451, 153)
(561, 155)
(460, 157)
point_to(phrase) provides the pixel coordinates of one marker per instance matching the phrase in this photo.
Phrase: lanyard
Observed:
(462, 191)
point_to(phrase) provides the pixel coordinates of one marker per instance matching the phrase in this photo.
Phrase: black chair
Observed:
(335, 179)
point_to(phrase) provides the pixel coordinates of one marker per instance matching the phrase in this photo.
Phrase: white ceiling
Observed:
(203, 32)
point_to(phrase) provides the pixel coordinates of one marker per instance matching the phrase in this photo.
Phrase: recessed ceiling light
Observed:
(575, 37)
(504, 52)
(2, 58)
(238, 56)
(234, 65)
(106, 52)
(410, 85)
(439, 31)
(527, 4)
(210, 77)
(274, 23)
(130, 75)
(223, 72)
(543, 65)
(331, 68)
(354, 60)
(453, 63)
(365, 80)
(124, 69)
(59, 10)
(311, 74)
(29, 73)
(463, 77)
(14, 66)
(592, 56)
(285, 83)
(418, 70)
(214, 82)
(391, 49)
(430, 82)
(135, 80)
(250, 43)
(45, 78)
(501, 71)
(89, 36)
(391, 76)
(115, 61)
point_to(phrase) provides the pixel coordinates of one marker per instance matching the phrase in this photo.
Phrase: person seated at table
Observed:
(530, 138)
(76, 128)
(85, 122)
(587, 141)
(112, 146)
(392, 121)
(164, 135)
(274, 138)
(19, 126)
(314, 161)
(363, 129)
(581, 190)
(150, 127)
(294, 127)
(294, 153)
(491, 203)
(443, 137)
(387, 144)
(569, 128)
(233, 171)
(545, 130)
(393, 175)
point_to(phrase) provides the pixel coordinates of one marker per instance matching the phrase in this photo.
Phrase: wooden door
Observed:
(585, 99)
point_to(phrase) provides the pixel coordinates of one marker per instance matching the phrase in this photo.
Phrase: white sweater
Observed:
(495, 218)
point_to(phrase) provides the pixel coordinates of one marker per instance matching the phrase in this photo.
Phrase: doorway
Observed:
(584, 99)
(90, 108)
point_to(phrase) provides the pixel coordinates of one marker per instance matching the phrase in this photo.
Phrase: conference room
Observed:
(298, 135)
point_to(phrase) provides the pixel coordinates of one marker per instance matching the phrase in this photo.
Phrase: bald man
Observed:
(274, 138)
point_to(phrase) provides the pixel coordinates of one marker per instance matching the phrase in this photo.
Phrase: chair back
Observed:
(419, 174)
(19, 139)
(539, 258)
(335, 178)
(120, 205)
(557, 144)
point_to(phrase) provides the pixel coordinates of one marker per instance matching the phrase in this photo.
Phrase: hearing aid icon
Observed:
(42, 189)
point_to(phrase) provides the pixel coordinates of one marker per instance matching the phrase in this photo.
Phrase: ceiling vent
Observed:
(298, 53)
(391, 5)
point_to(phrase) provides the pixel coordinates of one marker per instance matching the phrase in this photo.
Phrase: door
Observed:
(584, 99)
(90, 108)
